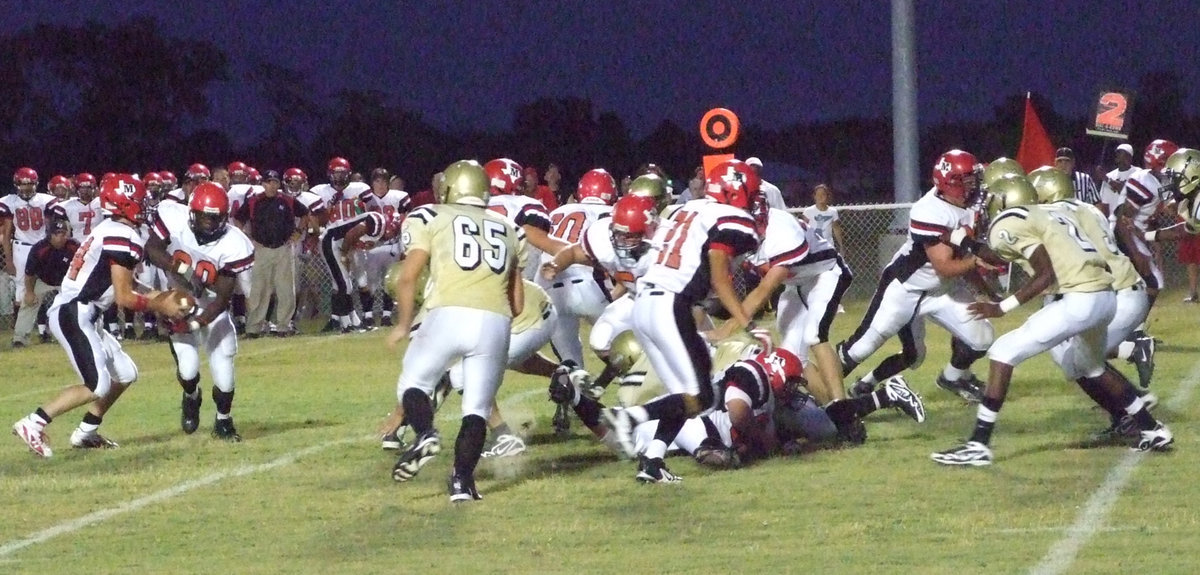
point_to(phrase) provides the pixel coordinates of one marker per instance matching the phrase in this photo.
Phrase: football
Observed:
(186, 301)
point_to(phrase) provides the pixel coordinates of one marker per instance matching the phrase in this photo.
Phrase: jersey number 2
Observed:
(470, 248)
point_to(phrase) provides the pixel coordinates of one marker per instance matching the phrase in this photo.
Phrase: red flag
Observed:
(1036, 150)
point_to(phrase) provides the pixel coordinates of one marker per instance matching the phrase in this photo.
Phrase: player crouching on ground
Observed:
(100, 274)
(196, 242)
(1075, 316)
(474, 291)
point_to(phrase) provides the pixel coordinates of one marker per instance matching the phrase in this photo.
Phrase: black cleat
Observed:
(130, 335)
(386, 321)
(463, 489)
(654, 471)
(45, 337)
(189, 421)
(332, 327)
(422, 450)
(223, 429)
(968, 388)
(148, 335)
(860, 388)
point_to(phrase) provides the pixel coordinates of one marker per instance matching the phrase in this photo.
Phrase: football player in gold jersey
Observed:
(474, 291)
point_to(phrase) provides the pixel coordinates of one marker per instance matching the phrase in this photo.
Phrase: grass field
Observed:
(309, 492)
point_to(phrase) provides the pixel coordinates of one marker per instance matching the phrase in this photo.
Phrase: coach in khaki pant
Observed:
(270, 219)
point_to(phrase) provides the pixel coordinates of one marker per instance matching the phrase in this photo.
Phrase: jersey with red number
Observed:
(597, 244)
(89, 277)
(679, 250)
(238, 193)
(795, 245)
(392, 203)
(748, 381)
(229, 255)
(568, 224)
(1143, 193)
(350, 202)
(28, 216)
(82, 217)
(929, 218)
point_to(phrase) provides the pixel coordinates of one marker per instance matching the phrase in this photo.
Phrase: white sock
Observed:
(952, 373)
(88, 428)
(1125, 350)
(656, 450)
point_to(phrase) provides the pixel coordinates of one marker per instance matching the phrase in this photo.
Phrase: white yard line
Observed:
(76, 524)
(1091, 520)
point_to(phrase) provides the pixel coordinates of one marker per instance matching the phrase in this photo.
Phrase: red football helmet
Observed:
(505, 175)
(123, 196)
(957, 175)
(60, 187)
(293, 181)
(783, 369)
(26, 181)
(197, 172)
(597, 184)
(154, 185)
(252, 176)
(634, 219)
(1157, 153)
(392, 228)
(338, 171)
(734, 183)
(170, 182)
(238, 172)
(85, 186)
(209, 212)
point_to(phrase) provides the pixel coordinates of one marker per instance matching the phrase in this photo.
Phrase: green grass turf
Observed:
(268, 506)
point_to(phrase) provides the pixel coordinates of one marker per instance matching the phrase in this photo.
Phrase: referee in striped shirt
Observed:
(1085, 187)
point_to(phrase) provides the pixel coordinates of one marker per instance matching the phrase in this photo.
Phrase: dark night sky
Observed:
(471, 63)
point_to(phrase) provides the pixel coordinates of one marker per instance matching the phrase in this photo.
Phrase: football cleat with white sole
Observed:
(1118, 433)
(969, 388)
(1143, 360)
(970, 453)
(655, 471)
(83, 440)
(422, 450)
(1157, 439)
(620, 423)
(506, 445)
(463, 489)
(904, 398)
(33, 435)
(394, 441)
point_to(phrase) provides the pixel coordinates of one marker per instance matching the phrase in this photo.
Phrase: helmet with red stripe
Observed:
(294, 180)
(338, 171)
(60, 187)
(504, 176)
(957, 176)
(154, 186)
(239, 172)
(124, 196)
(209, 212)
(634, 219)
(597, 185)
(85, 186)
(733, 183)
(784, 369)
(197, 172)
(253, 176)
(170, 182)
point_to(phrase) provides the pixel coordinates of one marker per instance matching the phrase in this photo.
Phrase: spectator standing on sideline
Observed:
(44, 270)
(538, 191)
(271, 217)
(771, 191)
(824, 219)
(1085, 186)
(1113, 189)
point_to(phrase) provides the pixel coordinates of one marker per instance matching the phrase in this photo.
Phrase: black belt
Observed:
(563, 284)
(16, 241)
(656, 292)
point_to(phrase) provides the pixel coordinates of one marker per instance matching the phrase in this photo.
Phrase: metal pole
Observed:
(904, 102)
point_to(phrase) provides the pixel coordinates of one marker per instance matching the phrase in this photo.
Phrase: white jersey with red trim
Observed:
(28, 216)
(568, 224)
(794, 244)
(748, 380)
(678, 252)
(309, 200)
(597, 244)
(376, 226)
(392, 203)
(1142, 193)
(89, 277)
(929, 218)
(82, 217)
(352, 201)
(521, 211)
(229, 255)
(177, 195)
(238, 193)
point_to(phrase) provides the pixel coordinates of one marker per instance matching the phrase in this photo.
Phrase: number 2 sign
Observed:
(1111, 119)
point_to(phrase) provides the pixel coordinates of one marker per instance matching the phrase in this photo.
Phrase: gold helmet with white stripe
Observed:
(1052, 185)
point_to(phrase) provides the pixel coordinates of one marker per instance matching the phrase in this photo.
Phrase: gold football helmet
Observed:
(998, 168)
(1183, 171)
(463, 182)
(651, 186)
(389, 282)
(1010, 191)
(624, 352)
(1052, 185)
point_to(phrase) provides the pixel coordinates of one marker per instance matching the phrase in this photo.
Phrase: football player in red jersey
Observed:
(100, 275)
